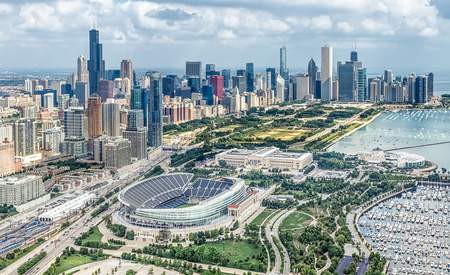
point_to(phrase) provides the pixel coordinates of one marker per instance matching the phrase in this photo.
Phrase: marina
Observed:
(411, 230)
(403, 129)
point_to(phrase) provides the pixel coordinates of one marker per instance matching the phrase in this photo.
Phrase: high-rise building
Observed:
(126, 70)
(82, 69)
(271, 78)
(52, 139)
(194, 68)
(95, 126)
(136, 133)
(430, 82)
(17, 190)
(154, 119)
(279, 92)
(302, 87)
(111, 119)
(74, 124)
(421, 89)
(354, 56)
(24, 133)
(105, 89)
(7, 159)
(96, 64)
(81, 93)
(361, 84)
(347, 81)
(388, 76)
(250, 75)
(226, 78)
(138, 142)
(168, 85)
(217, 83)
(312, 74)
(135, 119)
(117, 153)
(326, 73)
(284, 72)
(210, 70)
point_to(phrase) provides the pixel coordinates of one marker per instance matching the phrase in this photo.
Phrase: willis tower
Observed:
(96, 64)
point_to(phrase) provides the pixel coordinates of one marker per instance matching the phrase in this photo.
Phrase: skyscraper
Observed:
(421, 89)
(136, 133)
(271, 78)
(95, 128)
(74, 123)
(111, 118)
(126, 70)
(354, 56)
(24, 133)
(226, 78)
(347, 84)
(361, 84)
(81, 92)
(154, 122)
(105, 89)
(250, 74)
(326, 73)
(312, 74)
(430, 85)
(82, 70)
(194, 68)
(217, 82)
(283, 64)
(96, 64)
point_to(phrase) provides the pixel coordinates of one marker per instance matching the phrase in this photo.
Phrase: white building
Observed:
(302, 89)
(326, 73)
(17, 190)
(269, 158)
(67, 209)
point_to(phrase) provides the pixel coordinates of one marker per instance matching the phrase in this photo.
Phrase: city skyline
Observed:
(156, 35)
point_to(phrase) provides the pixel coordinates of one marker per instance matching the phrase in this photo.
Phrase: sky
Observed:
(403, 35)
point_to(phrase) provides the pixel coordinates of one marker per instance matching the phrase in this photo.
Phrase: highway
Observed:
(55, 245)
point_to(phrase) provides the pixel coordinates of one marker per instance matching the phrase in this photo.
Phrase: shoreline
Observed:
(354, 130)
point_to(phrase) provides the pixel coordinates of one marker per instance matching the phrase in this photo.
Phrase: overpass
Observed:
(417, 146)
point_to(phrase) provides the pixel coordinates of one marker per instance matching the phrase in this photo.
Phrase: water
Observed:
(401, 129)
(411, 230)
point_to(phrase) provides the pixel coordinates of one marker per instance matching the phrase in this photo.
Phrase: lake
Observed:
(401, 129)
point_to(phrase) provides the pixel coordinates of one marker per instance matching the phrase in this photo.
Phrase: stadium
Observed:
(178, 201)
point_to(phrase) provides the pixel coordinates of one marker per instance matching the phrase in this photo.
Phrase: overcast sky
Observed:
(405, 35)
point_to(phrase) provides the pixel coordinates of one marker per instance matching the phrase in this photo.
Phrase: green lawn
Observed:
(96, 236)
(261, 217)
(71, 262)
(237, 251)
(295, 220)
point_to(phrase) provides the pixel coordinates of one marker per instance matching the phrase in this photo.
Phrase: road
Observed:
(55, 245)
(276, 231)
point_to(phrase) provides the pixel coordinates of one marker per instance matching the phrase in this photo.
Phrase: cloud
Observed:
(63, 23)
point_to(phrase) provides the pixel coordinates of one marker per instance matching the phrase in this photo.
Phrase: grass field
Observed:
(282, 134)
(237, 251)
(261, 217)
(227, 128)
(71, 262)
(294, 221)
(96, 236)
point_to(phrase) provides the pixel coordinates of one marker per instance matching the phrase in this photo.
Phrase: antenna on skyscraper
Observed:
(94, 24)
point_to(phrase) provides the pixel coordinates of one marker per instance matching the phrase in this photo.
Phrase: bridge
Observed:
(417, 146)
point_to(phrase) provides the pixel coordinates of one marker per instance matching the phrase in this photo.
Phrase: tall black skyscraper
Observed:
(154, 125)
(312, 73)
(354, 56)
(96, 64)
(250, 73)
